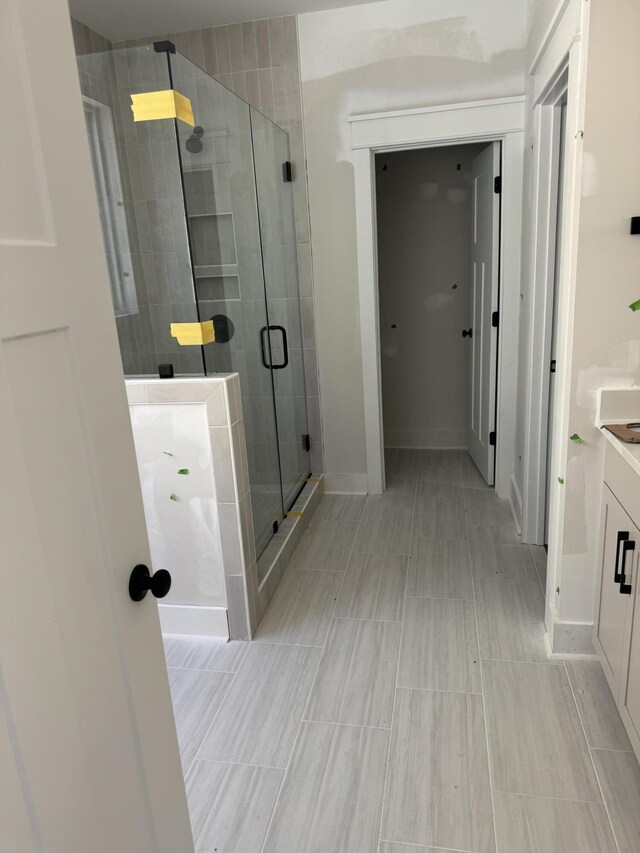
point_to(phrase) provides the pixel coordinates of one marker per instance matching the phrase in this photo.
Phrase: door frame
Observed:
(498, 120)
(546, 275)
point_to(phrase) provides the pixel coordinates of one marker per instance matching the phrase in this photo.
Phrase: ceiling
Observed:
(122, 19)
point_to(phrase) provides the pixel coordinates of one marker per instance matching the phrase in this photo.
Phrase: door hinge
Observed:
(495, 318)
(287, 172)
(552, 366)
(492, 438)
(306, 442)
(275, 526)
(497, 184)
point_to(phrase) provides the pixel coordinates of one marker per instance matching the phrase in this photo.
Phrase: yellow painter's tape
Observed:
(149, 106)
(193, 334)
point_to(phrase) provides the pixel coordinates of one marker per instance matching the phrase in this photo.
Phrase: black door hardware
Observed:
(623, 536)
(467, 333)
(552, 366)
(492, 438)
(625, 588)
(287, 172)
(142, 581)
(285, 347)
(306, 442)
(497, 184)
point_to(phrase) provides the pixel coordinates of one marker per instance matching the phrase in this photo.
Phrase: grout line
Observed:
(304, 712)
(204, 737)
(365, 619)
(546, 797)
(395, 689)
(306, 719)
(609, 749)
(593, 764)
(484, 699)
(426, 849)
(238, 764)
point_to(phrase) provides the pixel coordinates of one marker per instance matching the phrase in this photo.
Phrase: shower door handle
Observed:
(284, 345)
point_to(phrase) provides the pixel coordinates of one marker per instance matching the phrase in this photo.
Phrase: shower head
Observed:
(194, 142)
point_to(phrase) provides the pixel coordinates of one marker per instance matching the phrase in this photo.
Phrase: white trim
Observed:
(204, 621)
(545, 271)
(501, 120)
(567, 36)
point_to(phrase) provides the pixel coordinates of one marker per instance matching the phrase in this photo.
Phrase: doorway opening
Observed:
(438, 238)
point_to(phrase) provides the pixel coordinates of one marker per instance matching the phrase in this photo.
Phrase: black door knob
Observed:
(467, 333)
(142, 581)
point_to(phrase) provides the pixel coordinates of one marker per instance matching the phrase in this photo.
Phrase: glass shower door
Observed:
(222, 216)
(284, 333)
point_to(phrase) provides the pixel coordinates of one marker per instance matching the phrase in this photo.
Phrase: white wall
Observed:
(377, 57)
(606, 341)
(424, 249)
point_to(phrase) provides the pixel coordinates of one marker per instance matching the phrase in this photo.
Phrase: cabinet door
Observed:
(629, 701)
(620, 538)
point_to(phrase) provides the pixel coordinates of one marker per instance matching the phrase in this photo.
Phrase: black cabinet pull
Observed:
(285, 347)
(141, 581)
(625, 588)
(623, 536)
(467, 333)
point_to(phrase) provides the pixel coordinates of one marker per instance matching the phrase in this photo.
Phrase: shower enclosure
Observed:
(198, 225)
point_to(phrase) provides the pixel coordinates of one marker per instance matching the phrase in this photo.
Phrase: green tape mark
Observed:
(561, 481)
(575, 438)
(183, 471)
(454, 287)
(557, 590)
(173, 497)
(635, 306)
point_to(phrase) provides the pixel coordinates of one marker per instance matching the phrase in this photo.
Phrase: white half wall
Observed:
(380, 57)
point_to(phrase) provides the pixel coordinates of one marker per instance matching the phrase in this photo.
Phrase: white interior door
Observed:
(88, 751)
(485, 255)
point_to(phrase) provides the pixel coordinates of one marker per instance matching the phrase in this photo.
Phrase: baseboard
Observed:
(571, 641)
(188, 619)
(346, 484)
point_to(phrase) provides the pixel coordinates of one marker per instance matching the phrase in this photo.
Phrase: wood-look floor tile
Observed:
(390, 847)
(543, 825)
(399, 493)
(441, 467)
(439, 568)
(384, 531)
(539, 557)
(210, 653)
(261, 713)
(438, 789)
(332, 792)
(428, 489)
(602, 723)
(619, 775)
(495, 560)
(440, 518)
(196, 696)
(230, 805)
(471, 476)
(439, 646)
(301, 609)
(486, 509)
(340, 508)
(374, 587)
(402, 462)
(325, 546)
(356, 677)
(511, 620)
(536, 742)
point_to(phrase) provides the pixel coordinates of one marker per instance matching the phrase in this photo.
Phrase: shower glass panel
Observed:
(198, 225)
(222, 217)
(138, 183)
(278, 241)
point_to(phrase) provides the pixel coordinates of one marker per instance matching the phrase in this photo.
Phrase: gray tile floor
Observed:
(398, 699)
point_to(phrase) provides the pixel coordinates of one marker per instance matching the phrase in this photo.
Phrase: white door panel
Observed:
(485, 276)
(88, 749)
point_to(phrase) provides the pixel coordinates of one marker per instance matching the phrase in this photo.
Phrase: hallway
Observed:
(398, 697)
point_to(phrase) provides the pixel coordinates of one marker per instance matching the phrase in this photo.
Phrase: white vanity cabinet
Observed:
(617, 613)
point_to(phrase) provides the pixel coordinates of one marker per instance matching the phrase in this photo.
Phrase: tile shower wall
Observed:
(259, 61)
